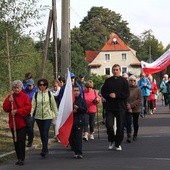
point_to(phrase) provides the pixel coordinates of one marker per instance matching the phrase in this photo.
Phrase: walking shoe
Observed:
(75, 156)
(134, 138)
(129, 140)
(80, 156)
(141, 115)
(21, 163)
(29, 144)
(111, 146)
(119, 148)
(42, 154)
(85, 137)
(92, 137)
(17, 163)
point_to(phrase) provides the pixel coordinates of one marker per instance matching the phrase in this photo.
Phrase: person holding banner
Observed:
(18, 105)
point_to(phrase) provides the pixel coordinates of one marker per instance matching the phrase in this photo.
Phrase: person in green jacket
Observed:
(44, 110)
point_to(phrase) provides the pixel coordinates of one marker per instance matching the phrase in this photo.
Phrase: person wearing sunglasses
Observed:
(134, 103)
(116, 91)
(44, 109)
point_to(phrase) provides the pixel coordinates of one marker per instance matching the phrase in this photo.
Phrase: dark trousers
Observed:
(145, 105)
(151, 104)
(129, 118)
(30, 131)
(120, 117)
(89, 121)
(20, 143)
(165, 98)
(75, 140)
(103, 110)
(44, 127)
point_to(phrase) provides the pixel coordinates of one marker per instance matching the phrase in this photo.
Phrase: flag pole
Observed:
(13, 119)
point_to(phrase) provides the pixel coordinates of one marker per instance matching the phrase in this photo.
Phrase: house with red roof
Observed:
(115, 51)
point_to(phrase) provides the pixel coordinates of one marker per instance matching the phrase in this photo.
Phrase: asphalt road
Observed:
(150, 152)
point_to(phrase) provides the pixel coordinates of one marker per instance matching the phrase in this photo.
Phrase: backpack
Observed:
(36, 93)
(168, 87)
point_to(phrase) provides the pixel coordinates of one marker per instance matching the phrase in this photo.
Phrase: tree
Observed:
(148, 41)
(78, 64)
(21, 14)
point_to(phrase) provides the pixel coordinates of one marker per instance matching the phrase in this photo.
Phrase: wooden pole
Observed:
(45, 51)
(8, 61)
(54, 18)
(65, 38)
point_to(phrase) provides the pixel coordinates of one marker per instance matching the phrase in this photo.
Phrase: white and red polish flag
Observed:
(64, 120)
(160, 64)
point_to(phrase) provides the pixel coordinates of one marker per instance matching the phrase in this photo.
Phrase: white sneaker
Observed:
(111, 146)
(85, 137)
(119, 148)
(92, 137)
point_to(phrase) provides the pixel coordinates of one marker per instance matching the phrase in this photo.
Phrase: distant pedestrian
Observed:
(92, 100)
(163, 88)
(145, 86)
(27, 77)
(134, 103)
(44, 109)
(116, 91)
(152, 96)
(80, 83)
(30, 90)
(18, 105)
(79, 109)
(55, 90)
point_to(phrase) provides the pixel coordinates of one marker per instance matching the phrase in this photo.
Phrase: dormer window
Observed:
(107, 57)
(114, 41)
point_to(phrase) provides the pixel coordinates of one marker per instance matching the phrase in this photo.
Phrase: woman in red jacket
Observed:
(152, 98)
(92, 100)
(18, 105)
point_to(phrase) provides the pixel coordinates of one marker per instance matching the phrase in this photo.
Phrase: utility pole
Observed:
(65, 38)
(45, 49)
(55, 38)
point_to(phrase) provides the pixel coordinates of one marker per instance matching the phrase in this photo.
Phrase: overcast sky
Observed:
(140, 14)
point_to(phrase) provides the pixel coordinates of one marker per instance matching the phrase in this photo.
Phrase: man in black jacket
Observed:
(116, 91)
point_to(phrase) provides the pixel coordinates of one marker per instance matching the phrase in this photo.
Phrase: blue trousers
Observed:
(44, 127)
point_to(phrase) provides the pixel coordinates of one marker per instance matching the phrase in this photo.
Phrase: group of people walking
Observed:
(125, 98)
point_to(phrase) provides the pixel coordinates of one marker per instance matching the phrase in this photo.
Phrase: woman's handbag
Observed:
(28, 118)
(28, 121)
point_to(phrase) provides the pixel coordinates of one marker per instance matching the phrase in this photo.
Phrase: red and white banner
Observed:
(64, 120)
(160, 64)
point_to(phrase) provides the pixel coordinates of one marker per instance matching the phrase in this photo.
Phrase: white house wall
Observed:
(115, 58)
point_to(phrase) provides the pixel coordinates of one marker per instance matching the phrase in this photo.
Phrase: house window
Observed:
(124, 70)
(107, 71)
(124, 56)
(107, 57)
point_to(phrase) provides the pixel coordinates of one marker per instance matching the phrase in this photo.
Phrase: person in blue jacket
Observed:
(145, 86)
(30, 90)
